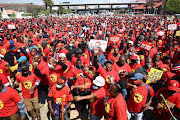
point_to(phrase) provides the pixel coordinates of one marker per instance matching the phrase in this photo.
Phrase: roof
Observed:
(157, 4)
(1, 6)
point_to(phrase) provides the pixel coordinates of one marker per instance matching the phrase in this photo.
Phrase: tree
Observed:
(146, 5)
(173, 6)
(60, 9)
(48, 3)
(152, 5)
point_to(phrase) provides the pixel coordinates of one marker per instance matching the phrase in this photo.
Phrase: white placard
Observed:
(11, 26)
(98, 43)
(172, 27)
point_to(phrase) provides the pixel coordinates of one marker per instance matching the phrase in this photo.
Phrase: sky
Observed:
(40, 2)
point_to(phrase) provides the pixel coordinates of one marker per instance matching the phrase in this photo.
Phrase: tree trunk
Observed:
(46, 6)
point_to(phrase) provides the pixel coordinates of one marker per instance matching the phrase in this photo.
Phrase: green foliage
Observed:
(123, 11)
(48, 3)
(28, 14)
(62, 10)
(12, 15)
(173, 6)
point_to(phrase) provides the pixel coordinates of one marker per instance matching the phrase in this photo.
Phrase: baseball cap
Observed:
(176, 67)
(133, 57)
(22, 58)
(62, 80)
(99, 81)
(11, 47)
(24, 67)
(131, 42)
(137, 76)
(122, 83)
(108, 61)
(173, 85)
(62, 55)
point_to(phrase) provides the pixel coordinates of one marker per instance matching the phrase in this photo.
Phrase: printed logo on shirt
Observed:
(28, 84)
(1, 71)
(120, 71)
(163, 104)
(53, 77)
(133, 70)
(160, 41)
(163, 54)
(85, 55)
(141, 57)
(3, 51)
(1, 105)
(138, 97)
(107, 107)
(59, 100)
(92, 100)
(108, 78)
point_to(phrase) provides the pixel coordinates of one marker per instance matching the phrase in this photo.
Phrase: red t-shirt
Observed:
(4, 49)
(119, 69)
(116, 108)
(3, 69)
(61, 94)
(8, 100)
(83, 81)
(164, 113)
(135, 67)
(27, 83)
(73, 73)
(4, 79)
(108, 75)
(97, 105)
(138, 98)
(87, 54)
(44, 69)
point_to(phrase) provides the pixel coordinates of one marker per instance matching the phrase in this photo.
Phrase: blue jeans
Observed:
(123, 92)
(93, 117)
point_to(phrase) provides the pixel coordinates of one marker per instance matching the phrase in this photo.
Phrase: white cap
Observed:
(62, 55)
(131, 42)
(99, 81)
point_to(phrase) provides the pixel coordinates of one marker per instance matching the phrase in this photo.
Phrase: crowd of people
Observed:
(50, 60)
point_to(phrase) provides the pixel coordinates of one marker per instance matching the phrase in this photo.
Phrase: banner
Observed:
(154, 75)
(177, 33)
(11, 26)
(145, 46)
(98, 43)
(172, 27)
(114, 39)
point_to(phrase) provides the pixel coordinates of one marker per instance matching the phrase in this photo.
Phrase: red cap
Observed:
(173, 85)
(62, 80)
(133, 57)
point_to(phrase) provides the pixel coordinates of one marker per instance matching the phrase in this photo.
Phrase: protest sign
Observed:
(98, 43)
(154, 75)
(172, 27)
(177, 33)
(11, 26)
(114, 38)
(145, 46)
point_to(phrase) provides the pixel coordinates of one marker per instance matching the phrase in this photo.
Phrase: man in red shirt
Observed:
(122, 68)
(172, 98)
(10, 103)
(116, 108)
(138, 99)
(42, 71)
(96, 98)
(60, 94)
(29, 83)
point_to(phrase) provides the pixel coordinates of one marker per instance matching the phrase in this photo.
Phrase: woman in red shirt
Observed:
(116, 108)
